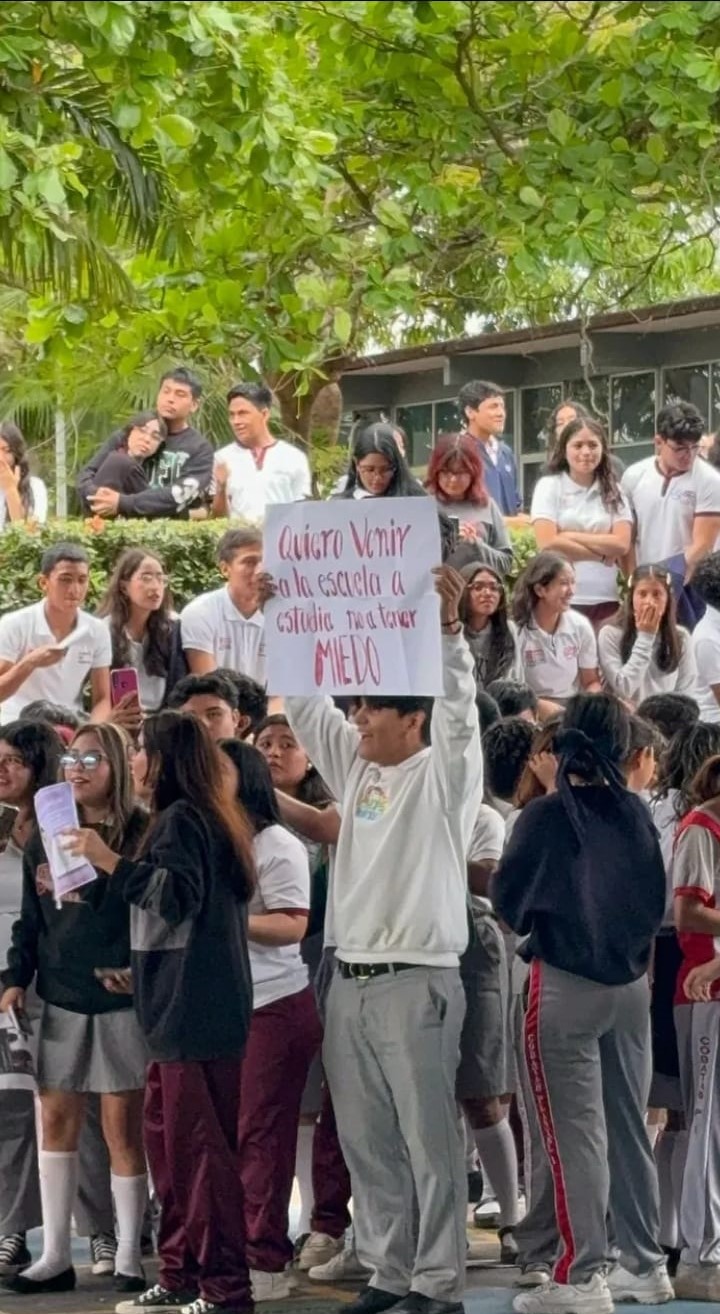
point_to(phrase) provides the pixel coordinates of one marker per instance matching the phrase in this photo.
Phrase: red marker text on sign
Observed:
(346, 660)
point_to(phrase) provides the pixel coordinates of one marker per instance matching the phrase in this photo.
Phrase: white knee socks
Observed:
(498, 1158)
(303, 1174)
(130, 1196)
(58, 1184)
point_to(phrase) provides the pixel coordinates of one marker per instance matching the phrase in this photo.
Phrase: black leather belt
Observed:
(364, 971)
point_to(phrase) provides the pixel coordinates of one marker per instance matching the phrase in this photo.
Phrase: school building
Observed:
(624, 366)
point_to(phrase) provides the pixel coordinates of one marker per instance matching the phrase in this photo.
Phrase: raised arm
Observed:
(455, 731)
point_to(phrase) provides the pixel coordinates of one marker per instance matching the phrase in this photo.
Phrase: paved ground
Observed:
(489, 1291)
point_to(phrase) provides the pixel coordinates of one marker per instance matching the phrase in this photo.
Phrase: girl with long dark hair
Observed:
(579, 510)
(557, 645)
(491, 635)
(89, 1037)
(29, 760)
(642, 649)
(188, 892)
(378, 468)
(143, 630)
(285, 1032)
(456, 480)
(22, 496)
(582, 878)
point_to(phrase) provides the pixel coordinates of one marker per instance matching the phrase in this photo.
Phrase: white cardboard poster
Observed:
(356, 609)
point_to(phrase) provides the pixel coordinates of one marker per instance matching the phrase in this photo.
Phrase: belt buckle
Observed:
(358, 973)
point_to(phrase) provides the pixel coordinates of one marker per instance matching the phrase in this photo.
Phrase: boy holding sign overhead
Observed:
(408, 775)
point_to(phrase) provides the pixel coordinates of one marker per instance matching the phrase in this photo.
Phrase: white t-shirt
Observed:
(666, 508)
(283, 477)
(486, 845)
(640, 676)
(665, 820)
(283, 882)
(552, 662)
(706, 650)
(88, 650)
(152, 687)
(212, 623)
(40, 504)
(571, 506)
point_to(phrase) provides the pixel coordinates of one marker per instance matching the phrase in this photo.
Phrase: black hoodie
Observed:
(178, 473)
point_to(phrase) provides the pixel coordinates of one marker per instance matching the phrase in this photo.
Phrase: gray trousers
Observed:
(588, 1054)
(697, 1027)
(391, 1053)
(19, 1183)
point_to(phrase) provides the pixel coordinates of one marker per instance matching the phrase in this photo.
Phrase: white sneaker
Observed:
(591, 1297)
(345, 1267)
(318, 1249)
(697, 1282)
(271, 1286)
(653, 1288)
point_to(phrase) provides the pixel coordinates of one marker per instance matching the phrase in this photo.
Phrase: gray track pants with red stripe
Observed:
(587, 1048)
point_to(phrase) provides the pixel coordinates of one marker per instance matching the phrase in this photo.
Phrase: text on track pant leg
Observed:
(391, 1054)
(567, 1017)
(698, 1033)
(191, 1120)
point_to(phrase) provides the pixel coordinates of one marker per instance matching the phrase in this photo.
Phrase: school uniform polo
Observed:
(572, 506)
(665, 508)
(552, 662)
(706, 651)
(89, 650)
(213, 624)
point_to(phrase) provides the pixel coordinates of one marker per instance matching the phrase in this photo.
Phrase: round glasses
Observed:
(88, 761)
(485, 588)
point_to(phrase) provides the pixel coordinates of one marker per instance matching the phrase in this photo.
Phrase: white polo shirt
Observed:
(283, 477)
(213, 624)
(88, 650)
(283, 884)
(706, 650)
(666, 508)
(573, 506)
(40, 504)
(552, 662)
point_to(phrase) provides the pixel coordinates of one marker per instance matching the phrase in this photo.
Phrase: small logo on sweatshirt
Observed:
(373, 802)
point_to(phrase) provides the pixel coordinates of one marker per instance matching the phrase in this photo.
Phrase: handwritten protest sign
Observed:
(356, 610)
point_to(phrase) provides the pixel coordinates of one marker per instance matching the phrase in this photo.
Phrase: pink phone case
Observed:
(123, 682)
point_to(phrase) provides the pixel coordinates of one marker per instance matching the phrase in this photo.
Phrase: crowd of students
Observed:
(384, 945)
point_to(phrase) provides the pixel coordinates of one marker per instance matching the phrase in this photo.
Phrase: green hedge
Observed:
(187, 550)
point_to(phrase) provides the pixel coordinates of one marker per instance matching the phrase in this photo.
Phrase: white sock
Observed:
(58, 1184)
(130, 1196)
(498, 1157)
(303, 1175)
(669, 1204)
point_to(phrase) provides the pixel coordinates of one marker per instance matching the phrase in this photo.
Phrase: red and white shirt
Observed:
(696, 875)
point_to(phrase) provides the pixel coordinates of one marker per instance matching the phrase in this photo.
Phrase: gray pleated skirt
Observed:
(101, 1052)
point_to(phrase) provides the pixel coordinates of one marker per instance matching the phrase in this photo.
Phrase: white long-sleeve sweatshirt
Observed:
(639, 677)
(399, 888)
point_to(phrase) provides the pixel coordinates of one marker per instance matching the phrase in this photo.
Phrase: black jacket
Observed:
(63, 946)
(178, 474)
(191, 972)
(593, 907)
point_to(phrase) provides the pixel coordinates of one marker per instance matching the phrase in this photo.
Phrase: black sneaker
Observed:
(416, 1303)
(23, 1286)
(476, 1186)
(125, 1283)
(157, 1297)
(14, 1254)
(508, 1246)
(203, 1306)
(103, 1248)
(373, 1300)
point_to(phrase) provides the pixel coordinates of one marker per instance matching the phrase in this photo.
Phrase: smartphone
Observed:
(124, 681)
(8, 817)
(455, 533)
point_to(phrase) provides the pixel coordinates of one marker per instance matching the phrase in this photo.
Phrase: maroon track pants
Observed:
(191, 1119)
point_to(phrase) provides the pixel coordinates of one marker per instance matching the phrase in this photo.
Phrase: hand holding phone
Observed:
(123, 683)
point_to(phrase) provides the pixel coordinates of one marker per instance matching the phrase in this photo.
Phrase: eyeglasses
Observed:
(153, 577)
(485, 588)
(149, 433)
(682, 447)
(12, 760)
(88, 761)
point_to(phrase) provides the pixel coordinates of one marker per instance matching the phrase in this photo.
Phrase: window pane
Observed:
(447, 418)
(597, 401)
(530, 472)
(633, 409)
(688, 383)
(417, 423)
(631, 455)
(537, 403)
